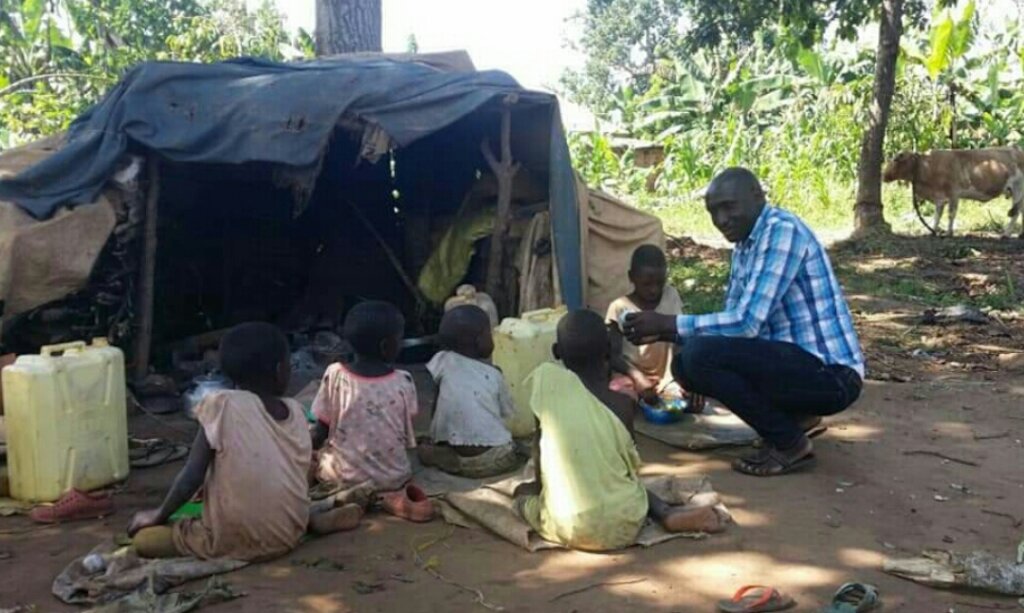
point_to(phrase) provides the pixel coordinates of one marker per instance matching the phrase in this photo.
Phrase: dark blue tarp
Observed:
(250, 110)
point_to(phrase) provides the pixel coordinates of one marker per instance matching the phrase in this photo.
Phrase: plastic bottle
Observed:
(467, 294)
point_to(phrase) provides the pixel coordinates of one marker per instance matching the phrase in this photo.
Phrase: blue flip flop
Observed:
(854, 598)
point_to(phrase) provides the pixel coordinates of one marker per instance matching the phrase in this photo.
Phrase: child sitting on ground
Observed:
(469, 435)
(645, 370)
(251, 457)
(364, 412)
(588, 494)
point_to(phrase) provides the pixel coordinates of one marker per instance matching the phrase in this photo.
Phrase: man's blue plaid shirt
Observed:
(782, 288)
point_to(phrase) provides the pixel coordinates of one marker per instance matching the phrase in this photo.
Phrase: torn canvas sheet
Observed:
(715, 427)
(124, 572)
(148, 601)
(491, 506)
(978, 570)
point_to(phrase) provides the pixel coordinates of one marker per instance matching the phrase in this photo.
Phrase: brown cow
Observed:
(944, 176)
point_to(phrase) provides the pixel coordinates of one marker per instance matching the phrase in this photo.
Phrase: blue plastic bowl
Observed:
(656, 415)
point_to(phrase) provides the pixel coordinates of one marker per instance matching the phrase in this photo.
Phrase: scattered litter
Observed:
(324, 564)
(988, 437)
(840, 490)
(888, 545)
(846, 483)
(149, 452)
(939, 498)
(10, 506)
(364, 587)
(960, 488)
(978, 570)
(955, 314)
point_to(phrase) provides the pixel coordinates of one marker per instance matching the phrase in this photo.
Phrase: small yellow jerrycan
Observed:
(521, 345)
(66, 418)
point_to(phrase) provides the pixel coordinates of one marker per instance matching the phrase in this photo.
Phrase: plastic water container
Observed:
(66, 418)
(467, 294)
(521, 345)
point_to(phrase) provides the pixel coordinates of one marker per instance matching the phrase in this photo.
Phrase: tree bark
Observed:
(144, 333)
(868, 214)
(504, 170)
(347, 26)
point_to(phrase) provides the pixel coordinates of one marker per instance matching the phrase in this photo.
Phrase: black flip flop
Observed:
(773, 464)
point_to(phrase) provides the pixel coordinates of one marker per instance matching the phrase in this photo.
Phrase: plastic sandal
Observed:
(770, 463)
(72, 506)
(409, 503)
(756, 599)
(854, 598)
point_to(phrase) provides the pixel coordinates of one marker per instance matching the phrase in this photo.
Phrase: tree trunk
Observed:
(868, 216)
(347, 26)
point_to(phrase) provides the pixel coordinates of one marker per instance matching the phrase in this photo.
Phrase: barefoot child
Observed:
(588, 494)
(251, 457)
(469, 434)
(364, 413)
(646, 370)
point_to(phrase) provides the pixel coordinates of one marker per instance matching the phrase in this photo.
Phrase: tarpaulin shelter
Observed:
(262, 166)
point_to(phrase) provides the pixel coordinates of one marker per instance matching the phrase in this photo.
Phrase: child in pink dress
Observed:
(364, 413)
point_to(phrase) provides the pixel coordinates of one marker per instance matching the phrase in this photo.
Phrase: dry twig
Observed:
(940, 455)
(593, 585)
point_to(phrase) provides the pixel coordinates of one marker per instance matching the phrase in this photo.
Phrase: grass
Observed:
(829, 210)
(925, 272)
(701, 283)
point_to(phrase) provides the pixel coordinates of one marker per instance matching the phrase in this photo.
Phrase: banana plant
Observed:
(945, 59)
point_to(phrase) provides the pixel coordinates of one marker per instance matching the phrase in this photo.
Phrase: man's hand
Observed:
(647, 327)
(144, 519)
(650, 396)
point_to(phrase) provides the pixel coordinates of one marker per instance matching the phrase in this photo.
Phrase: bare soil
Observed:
(947, 388)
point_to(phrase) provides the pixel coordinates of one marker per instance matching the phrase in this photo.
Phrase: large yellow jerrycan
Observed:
(521, 345)
(66, 418)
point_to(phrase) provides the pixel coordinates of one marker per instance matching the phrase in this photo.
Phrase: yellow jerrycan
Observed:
(521, 345)
(66, 419)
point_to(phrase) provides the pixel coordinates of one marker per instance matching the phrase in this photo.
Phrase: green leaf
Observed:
(963, 32)
(813, 65)
(938, 53)
(32, 12)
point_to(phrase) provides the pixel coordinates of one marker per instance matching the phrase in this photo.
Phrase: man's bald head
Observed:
(737, 181)
(734, 200)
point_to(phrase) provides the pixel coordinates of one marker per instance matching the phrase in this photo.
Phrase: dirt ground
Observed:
(951, 388)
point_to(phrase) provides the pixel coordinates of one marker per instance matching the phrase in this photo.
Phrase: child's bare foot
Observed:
(336, 520)
(692, 519)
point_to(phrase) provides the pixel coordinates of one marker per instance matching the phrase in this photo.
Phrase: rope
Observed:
(917, 202)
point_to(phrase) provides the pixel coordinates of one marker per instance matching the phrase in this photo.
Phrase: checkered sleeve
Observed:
(777, 257)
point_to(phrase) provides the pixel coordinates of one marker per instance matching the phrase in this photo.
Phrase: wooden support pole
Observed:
(396, 262)
(144, 315)
(504, 173)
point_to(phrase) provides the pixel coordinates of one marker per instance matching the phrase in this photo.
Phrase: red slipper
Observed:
(72, 506)
(409, 503)
(756, 599)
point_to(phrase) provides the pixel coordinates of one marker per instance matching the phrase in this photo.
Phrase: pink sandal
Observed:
(409, 503)
(72, 506)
